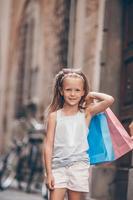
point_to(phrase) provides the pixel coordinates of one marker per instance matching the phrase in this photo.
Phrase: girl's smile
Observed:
(72, 90)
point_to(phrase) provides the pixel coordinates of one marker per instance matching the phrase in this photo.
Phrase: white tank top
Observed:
(70, 142)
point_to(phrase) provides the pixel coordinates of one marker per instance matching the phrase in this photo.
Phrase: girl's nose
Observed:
(72, 92)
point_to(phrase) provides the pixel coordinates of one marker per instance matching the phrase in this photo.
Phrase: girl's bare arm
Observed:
(98, 102)
(49, 143)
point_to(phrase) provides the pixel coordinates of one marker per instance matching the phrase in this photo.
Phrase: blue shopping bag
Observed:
(99, 139)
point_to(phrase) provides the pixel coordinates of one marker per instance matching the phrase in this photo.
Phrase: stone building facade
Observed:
(38, 38)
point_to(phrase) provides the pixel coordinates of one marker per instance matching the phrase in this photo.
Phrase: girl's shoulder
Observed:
(88, 116)
(52, 115)
(88, 109)
(55, 114)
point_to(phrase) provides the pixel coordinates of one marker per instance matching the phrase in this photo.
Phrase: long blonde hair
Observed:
(58, 100)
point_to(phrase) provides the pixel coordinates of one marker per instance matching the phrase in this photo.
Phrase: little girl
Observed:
(69, 115)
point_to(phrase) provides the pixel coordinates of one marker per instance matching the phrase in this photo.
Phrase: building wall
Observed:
(111, 54)
(5, 26)
(80, 34)
(109, 182)
(53, 48)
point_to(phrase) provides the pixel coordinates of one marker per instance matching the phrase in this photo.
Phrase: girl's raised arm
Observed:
(97, 102)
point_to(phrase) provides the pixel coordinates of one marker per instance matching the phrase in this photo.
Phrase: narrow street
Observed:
(13, 194)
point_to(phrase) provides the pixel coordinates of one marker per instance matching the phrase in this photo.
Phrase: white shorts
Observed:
(74, 177)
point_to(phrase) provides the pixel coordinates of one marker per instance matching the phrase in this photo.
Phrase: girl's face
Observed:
(73, 90)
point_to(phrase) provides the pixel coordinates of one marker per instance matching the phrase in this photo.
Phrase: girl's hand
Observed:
(50, 182)
(93, 96)
(90, 98)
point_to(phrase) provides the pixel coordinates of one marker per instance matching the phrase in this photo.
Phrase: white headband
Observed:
(72, 74)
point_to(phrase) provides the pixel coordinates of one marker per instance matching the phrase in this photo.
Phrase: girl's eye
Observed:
(76, 90)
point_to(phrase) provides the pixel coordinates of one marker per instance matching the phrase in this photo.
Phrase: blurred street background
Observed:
(17, 195)
(37, 39)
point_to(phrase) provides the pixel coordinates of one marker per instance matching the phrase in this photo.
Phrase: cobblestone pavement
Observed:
(13, 194)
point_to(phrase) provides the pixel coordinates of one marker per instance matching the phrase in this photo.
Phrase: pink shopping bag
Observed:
(121, 141)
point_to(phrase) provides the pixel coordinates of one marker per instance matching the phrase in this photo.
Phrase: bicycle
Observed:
(9, 165)
(24, 162)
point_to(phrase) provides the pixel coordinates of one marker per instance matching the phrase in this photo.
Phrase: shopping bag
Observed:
(99, 139)
(122, 142)
(107, 138)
